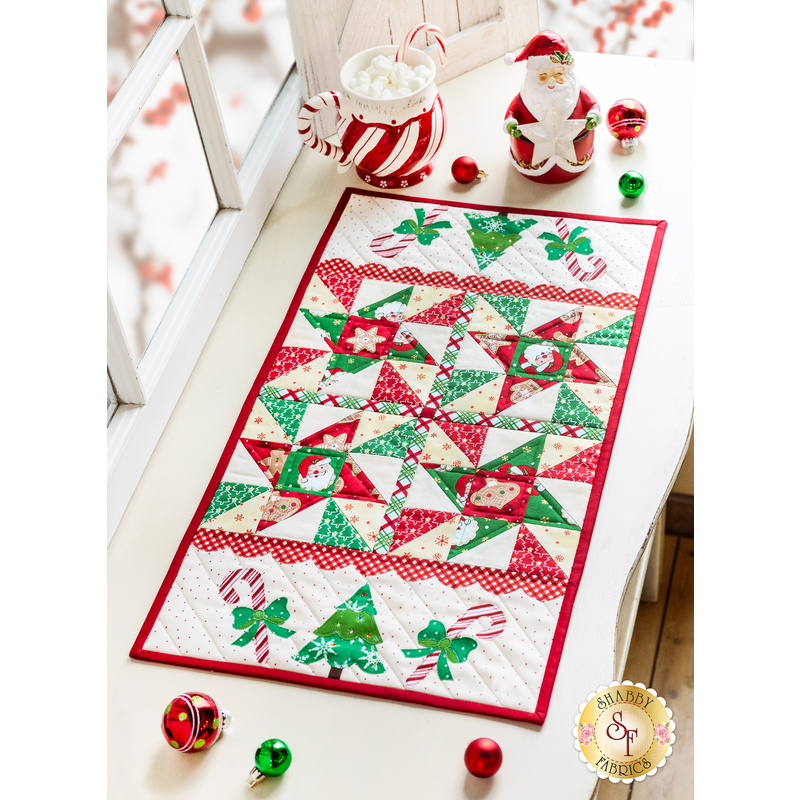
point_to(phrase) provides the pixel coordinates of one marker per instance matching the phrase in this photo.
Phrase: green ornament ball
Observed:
(273, 757)
(631, 184)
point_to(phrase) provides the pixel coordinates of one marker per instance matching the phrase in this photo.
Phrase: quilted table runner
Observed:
(405, 504)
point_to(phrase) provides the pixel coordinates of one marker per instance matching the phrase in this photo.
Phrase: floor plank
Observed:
(673, 678)
(649, 619)
(650, 658)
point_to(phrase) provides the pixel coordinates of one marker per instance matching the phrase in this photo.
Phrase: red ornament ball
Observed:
(465, 170)
(627, 120)
(483, 757)
(192, 722)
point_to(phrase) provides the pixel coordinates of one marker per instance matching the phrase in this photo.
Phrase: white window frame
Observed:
(147, 392)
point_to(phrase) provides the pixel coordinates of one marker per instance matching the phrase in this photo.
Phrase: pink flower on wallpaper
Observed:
(662, 733)
(586, 734)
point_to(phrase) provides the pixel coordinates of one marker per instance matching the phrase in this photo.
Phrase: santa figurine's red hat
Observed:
(546, 49)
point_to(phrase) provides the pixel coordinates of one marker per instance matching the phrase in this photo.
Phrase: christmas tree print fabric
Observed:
(406, 504)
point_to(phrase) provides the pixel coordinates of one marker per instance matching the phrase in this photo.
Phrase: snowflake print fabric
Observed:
(422, 453)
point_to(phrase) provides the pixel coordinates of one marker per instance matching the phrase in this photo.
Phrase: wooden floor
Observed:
(662, 657)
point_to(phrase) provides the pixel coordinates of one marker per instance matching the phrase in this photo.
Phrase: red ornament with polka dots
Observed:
(193, 722)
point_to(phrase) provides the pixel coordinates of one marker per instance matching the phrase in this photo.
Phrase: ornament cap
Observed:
(255, 776)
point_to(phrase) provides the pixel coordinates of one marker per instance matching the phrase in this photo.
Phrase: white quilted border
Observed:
(506, 672)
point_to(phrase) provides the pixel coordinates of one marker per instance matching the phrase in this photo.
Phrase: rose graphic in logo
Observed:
(661, 733)
(587, 734)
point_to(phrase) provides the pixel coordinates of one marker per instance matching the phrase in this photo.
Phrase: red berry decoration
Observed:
(465, 170)
(627, 121)
(193, 722)
(483, 757)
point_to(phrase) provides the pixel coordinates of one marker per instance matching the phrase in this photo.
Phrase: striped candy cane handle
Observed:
(437, 34)
(311, 107)
(259, 599)
(388, 245)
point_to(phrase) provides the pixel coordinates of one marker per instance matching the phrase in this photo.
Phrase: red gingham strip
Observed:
(481, 284)
(409, 569)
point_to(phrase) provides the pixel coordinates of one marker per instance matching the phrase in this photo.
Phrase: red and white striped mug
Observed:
(391, 141)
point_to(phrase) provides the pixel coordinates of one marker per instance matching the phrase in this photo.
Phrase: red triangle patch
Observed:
(469, 438)
(356, 484)
(414, 522)
(282, 505)
(391, 388)
(334, 437)
(532, 559)
(337, 275)
(269, 456)
(579, 468)
(290, 358)
(501, 348)
(446, 313)
(517, 389)
(562, 329)
(582, 369)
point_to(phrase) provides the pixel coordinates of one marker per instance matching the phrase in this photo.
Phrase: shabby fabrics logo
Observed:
(624, 732)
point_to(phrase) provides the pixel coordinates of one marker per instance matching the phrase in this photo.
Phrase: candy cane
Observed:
(498, 622)
(437, 34)
(388, 245)
(573, 267)
(259, 599)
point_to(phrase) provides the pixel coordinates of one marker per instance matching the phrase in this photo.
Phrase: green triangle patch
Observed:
(406, 347)
(513, 309)
(230, 495)
(615, 335)
(527, 455)
(447, 481)
(463, 381)
(571, 410)
(287, 414)
(330, 325)
(394, 443)
(369, 312)
(336, 531)
(544, 509)
(487, 529)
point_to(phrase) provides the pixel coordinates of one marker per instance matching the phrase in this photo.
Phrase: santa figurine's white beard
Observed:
(538, 98)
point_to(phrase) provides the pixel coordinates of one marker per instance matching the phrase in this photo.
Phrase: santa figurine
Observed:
(551, 121)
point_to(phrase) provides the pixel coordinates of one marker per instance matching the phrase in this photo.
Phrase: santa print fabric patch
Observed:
(405, 505)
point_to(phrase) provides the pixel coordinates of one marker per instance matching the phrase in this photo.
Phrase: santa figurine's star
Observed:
(366, 340)
(554, 136)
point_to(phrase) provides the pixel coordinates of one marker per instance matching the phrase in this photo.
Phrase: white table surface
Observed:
(353, 747)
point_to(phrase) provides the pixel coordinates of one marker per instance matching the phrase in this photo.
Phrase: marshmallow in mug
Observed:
(385, 78)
